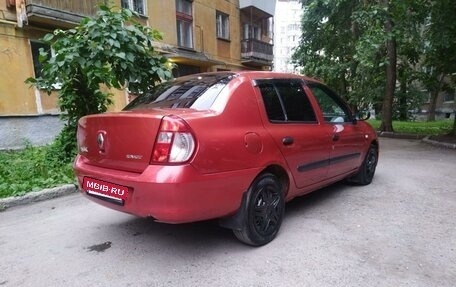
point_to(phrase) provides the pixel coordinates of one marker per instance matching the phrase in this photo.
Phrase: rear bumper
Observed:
(172, 194)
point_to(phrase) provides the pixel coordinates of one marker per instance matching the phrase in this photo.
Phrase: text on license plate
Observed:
(104, 188)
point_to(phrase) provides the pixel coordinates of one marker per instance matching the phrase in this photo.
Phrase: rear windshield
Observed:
(195, 92)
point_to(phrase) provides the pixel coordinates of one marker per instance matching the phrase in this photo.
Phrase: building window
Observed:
(448, 98)
(134, 5)
(223, 25)
(252, 32)
(184, 18)
(35, 47)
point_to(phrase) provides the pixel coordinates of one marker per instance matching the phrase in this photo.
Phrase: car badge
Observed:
(100, 141)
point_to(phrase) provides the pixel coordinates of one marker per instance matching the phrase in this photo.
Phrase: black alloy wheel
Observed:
(367, 169)
(264, 211)
(371, 163)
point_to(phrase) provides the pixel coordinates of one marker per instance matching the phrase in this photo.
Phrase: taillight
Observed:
(174, 143)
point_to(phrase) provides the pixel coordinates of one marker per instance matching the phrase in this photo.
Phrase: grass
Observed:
(418, 128)
(31, 169)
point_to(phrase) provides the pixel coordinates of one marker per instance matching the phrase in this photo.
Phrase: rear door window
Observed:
(286, 101)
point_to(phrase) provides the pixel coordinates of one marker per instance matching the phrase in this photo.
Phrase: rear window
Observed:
(194, 92)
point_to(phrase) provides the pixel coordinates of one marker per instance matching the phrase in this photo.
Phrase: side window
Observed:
(272, 103)
(286, 101)
(334, 111)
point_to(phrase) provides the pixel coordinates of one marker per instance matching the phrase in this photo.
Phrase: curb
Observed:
(37, 196)
(440, 144)
(423, 138)
(400, 136)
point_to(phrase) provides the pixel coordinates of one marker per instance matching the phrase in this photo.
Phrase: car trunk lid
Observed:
(121, 141)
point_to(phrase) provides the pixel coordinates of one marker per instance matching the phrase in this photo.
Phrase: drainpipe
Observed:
(202, 37)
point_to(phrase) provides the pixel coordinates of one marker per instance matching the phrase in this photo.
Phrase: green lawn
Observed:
(418, 128)
(31, 169)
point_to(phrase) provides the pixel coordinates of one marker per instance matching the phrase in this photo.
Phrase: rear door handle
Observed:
(287, 141)
(336, 137)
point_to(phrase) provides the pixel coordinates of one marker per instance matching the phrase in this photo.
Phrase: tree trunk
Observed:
(433, 100)
(453, 131)
(432, 105)
(387, 106)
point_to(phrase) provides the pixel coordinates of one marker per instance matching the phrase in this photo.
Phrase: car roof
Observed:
(260, 75)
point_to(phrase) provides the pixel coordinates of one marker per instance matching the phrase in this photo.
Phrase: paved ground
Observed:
(399, 231)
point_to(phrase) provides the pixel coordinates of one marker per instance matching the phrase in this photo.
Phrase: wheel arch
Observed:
(376, 145)
(281, 175)
(235, 221)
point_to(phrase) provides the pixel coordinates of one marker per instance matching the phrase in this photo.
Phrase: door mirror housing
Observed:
(362, 115)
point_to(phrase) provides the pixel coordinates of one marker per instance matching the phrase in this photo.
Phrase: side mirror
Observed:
(362, 115)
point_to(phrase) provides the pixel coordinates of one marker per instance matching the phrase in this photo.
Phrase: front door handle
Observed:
(336, 137)
(287, 141)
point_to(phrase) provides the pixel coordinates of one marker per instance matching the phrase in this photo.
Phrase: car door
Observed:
(292, 123)
(347, 137)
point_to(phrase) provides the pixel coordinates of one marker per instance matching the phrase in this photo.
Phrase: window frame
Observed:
(222, 27)
(37, 66)
(36, 62)
(184, 26)
(337, 100)
(284, 110)
(131, 6)
(445, 100)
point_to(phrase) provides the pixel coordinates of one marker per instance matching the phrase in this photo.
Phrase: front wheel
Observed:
(265, 207)
(367, 170)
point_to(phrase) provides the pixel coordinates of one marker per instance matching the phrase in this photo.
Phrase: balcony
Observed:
(261, 7)
(57, 13)
(256, 53)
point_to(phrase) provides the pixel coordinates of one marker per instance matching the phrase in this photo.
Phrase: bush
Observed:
(418, 128)
(112, 50)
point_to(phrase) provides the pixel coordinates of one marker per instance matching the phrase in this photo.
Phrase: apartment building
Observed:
(287, 31)
(198, 36)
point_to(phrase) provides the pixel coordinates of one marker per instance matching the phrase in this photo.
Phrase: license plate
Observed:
(105, 189)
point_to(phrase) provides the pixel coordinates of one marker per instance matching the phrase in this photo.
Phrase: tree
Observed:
(439, 51)
(113, 51)
(327, 44)
(360, 46)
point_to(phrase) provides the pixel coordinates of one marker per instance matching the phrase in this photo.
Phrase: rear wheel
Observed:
(367, 170)
(265, 207)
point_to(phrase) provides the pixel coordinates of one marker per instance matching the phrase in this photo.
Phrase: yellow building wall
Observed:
(16, 64)
(205, 34)
(16, 98)
(162, 17)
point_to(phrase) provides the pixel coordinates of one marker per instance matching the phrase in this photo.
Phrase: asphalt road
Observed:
(399, 231)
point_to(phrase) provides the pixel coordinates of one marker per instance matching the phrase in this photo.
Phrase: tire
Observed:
(367, 170)
(264, 210)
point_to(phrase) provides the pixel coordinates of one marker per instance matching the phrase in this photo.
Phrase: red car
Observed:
(229, 145)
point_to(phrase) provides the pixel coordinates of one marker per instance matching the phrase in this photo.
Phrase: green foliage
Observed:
(439, 65)
(418, 128)
(110, 51)
(32, 169)
(345, 44)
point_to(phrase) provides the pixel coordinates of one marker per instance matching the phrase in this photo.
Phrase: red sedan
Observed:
(228, 145)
